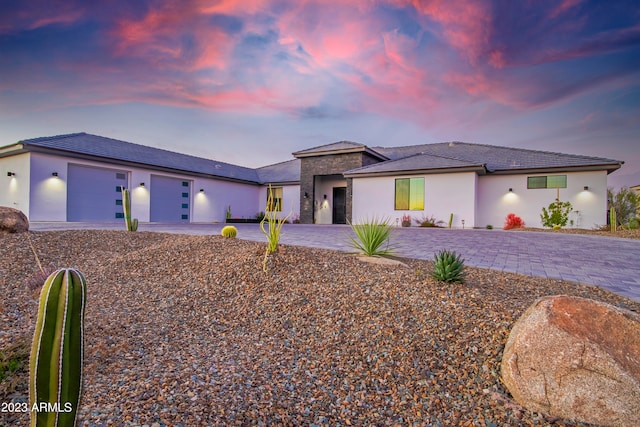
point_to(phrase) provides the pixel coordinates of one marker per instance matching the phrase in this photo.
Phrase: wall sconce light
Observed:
(586, 188)
(54, 173)
(510, 190)
(306, 195)
(142, 184)
(202, 190)
(11, 174)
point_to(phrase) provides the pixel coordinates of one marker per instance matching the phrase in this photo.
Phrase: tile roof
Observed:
(498, 158)
(99, 146)
(288, 171)
(338, 148)
(417, 163)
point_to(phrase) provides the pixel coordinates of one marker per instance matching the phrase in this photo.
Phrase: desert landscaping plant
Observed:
(273, 228)
(513, 221)
(428, 221)
(406, 220)
(371, 235)
(557, 215)
(55, 378)
(448, 267)
(229, 231)
(625, 204)
(131, 224)
(450, 220)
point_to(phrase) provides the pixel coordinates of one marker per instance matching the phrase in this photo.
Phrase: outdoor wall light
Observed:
(54, 173)
(142, 184)
(306, 195)
(11, 174)
(202, 190)
(586, 188)
(510, 190)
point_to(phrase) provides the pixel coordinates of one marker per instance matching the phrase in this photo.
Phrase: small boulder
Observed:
(12, 220)
(576, 358)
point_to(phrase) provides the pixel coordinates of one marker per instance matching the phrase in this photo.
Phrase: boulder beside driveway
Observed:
(12, 220)
(576, 358)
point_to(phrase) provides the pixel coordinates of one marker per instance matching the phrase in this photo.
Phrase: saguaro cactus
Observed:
(132, 224)
(55, 379)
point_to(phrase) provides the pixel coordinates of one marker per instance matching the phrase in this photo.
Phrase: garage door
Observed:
(94, 194)
(170, 199)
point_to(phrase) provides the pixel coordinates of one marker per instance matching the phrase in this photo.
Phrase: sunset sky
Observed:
(250, 82)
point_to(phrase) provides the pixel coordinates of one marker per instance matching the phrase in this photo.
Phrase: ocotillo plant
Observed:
(132, 224)
(55, 378)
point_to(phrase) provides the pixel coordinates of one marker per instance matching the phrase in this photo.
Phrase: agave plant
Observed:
(448, 267)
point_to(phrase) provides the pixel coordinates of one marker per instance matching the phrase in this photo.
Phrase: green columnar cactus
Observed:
(450, 220)
(229, 231)
(132, 224)
(55, 379)
(613, 220)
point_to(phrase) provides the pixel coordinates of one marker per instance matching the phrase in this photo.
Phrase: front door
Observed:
(339, 205)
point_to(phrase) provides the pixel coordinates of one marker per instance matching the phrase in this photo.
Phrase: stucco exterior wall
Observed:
(444, 194)
(211, 205)
(14, 190)
(48, 195)
(290, 201)
(495, 201)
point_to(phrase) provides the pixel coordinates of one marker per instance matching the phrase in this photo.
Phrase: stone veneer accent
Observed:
(328, 164)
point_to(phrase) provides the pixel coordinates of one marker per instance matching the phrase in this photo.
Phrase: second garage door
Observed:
(94, 194)
(170, 199)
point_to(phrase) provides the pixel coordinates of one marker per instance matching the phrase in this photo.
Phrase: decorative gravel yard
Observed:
(189, 331)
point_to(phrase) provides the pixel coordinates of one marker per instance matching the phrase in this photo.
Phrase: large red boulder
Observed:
(576, 358)
(12, 220)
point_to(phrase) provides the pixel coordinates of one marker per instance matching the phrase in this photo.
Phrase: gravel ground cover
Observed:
(190, 331)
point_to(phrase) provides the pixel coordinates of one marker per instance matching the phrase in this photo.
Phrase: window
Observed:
(118, 202)
(274, 203)
(551, 181)
(409, 194)
(120, 176)
(185, 206)
(185, 183)
(185, 195)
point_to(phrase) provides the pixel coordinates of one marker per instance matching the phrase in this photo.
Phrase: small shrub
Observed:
(273, 228)
(260, 216)
(489, 227)
(229, 231)
(513, 221)
(428, 221)
(633, 223)
(371, 235)
(448, 267)
(406, 220)
(556, 215)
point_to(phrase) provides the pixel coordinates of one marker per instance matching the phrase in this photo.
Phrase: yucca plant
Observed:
(371, 235)
(132, 224)
(55, 378)
(229, 231)
(448, 267)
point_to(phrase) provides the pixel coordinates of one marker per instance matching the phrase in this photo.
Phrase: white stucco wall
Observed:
(290, 201)
(44, 198)
(444, 194)
(323, 210)
(14, 190)
(495, 201)
(211, 205)
(48, 197)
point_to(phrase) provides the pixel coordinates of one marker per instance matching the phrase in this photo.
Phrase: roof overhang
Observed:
(338, 151)
(13, 149)
(116, 162)
(480, 170)
(609, 167)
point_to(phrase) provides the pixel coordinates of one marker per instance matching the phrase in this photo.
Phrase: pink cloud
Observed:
(563, 7)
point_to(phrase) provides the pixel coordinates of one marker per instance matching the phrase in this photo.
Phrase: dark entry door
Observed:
(339, 205)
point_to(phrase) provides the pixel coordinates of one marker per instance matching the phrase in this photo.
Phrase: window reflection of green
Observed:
(409, 194)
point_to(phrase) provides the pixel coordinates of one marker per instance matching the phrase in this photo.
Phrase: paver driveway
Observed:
(607, 262)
